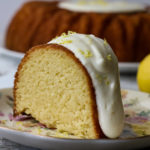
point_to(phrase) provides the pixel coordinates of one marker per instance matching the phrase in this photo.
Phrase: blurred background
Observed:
(9, 61)
(8, 8)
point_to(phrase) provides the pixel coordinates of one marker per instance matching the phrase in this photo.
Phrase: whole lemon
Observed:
(143, 74)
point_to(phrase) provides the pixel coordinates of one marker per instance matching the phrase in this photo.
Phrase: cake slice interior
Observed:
(53, 87)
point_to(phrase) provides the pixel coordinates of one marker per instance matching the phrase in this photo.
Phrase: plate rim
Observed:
(38, 141)
(72, 139)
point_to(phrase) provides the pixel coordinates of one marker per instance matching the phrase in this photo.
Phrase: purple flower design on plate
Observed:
(132, 102)
(127, 105)
(1, 114)
(136, 119)
(18, 118)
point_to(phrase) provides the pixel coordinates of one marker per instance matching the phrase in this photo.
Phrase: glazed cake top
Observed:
(101, 63)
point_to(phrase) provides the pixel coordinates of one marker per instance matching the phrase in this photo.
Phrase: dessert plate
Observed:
(11, 53)
(27, 131)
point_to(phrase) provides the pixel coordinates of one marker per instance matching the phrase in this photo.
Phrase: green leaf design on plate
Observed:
(144, 113)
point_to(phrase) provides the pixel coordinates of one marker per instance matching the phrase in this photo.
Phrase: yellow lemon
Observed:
(143, 74)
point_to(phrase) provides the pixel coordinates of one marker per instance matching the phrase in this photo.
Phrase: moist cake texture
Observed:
(72, 85)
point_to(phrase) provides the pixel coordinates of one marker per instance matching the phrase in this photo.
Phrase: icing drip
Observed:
(101, 63)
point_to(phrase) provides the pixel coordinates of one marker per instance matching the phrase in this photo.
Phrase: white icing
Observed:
(102, 6)
(102, 65)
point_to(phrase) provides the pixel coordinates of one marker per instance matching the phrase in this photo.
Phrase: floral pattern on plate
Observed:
(136, 107)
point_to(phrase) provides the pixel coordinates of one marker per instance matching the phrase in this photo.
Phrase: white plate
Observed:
(11, 53)
(29, 132)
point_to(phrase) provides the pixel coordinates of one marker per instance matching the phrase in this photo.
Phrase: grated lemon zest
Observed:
(71, 32)
(86, 53)
(65, 42)
(109, 57)
(105, 42)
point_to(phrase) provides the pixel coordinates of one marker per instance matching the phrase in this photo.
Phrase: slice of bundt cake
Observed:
(71, 84)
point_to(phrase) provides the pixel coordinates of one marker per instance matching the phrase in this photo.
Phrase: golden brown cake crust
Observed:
(127, 33)
(98, 130)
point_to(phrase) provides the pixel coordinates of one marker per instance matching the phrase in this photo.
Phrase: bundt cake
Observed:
(71, 85)
(126, 28)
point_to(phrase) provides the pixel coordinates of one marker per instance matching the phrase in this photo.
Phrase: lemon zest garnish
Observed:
(65, 42)
(81, 51)
(99, 77)
(104, 78)
(55, 38)
(89, 38)
(86, 53)
(107, 82)
(109, 57)
(105, 42)
(71, 32)
(64, 35)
